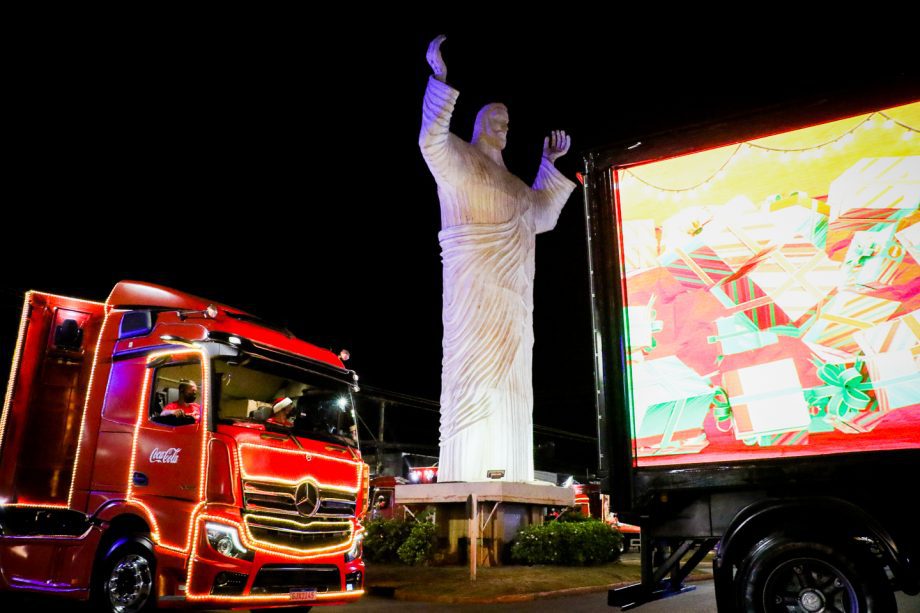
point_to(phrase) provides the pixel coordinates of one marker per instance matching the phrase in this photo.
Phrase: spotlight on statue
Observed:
(495, 473)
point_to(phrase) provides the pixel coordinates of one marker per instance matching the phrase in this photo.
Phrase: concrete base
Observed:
(502, 508)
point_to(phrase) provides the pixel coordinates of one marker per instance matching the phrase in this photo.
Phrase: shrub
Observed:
(383, 538)
(573, 543)
(419, 546)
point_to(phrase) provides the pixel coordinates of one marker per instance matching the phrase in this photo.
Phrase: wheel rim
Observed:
(809, 585)
(129, 584)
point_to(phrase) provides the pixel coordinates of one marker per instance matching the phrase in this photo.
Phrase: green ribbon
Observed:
(845, 390)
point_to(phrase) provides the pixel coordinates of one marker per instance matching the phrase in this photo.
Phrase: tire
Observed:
(125, 581)
(285, 610)
(784, 574)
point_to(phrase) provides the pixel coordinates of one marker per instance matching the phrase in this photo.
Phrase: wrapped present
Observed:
(892, 379)
(895, 377)
(844, 390)
(831, 335)
(670, 401)
(642, 326)
(796, 275)
(898, 334)
(799, 198)
(909, 238)
(695, 265)
(872, 258)
(860, 422)
(766, 400)
(743, 295)
(876, 183)
(842, 230)
(744, 241)
(804, 215)
(738, 334)
(640, 245)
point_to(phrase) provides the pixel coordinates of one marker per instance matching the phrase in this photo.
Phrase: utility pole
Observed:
(383, 404)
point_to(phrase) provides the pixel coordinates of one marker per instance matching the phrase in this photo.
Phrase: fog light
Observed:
(353, 581)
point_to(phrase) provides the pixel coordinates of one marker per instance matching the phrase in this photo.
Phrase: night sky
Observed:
(279, 171)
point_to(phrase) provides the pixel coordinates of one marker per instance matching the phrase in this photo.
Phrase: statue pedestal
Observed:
(501, 509)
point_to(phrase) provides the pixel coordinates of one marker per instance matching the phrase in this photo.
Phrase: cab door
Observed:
(167, 469)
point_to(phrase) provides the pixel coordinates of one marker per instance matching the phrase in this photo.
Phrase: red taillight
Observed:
(220, 473)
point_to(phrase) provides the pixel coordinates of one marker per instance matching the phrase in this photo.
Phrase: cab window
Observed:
(175, 399)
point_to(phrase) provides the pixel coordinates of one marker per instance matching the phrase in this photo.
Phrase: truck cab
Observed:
(120, 484)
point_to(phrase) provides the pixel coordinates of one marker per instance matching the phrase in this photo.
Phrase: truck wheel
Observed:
(785, 574)
(125, 582)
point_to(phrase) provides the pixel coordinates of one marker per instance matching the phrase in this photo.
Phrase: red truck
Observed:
(116, 486)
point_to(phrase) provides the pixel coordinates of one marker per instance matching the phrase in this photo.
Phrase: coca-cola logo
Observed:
(168, 456)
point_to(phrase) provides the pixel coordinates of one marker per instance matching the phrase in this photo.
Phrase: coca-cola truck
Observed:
(159, 450)
(756, 295)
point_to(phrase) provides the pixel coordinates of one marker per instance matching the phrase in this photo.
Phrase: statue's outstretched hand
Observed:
(435, 60)
(556, 145)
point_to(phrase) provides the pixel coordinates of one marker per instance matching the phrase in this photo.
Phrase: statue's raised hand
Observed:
(435, 60)
(556, 145)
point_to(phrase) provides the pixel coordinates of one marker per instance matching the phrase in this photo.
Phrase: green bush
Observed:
(420, 545)
(383, 538)
(572, 543)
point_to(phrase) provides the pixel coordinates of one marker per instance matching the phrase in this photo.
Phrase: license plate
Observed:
(303, 595)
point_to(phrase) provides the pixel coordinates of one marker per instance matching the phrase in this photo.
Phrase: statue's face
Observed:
(497, 129)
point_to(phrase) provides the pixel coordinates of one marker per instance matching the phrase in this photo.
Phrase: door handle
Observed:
(140, 479)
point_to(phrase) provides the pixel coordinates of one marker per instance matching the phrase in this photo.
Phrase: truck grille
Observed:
(280, 579)
(280, 499)
(313, 535)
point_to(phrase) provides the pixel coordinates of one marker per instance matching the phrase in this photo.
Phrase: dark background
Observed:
(272, 164)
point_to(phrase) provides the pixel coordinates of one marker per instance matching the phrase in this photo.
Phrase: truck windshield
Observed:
(285, 398)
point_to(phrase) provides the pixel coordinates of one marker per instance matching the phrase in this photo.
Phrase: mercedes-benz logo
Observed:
(306, 498)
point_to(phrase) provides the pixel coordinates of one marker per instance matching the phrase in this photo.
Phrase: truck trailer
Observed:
(158, 450)
(756, 297)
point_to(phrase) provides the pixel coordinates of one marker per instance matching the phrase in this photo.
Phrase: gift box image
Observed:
(695, 265)
(738, 334)
(640, 245)
(909, 238)
(831, 336)
(641, 326)
(895, 377)
(796, 275)
(670, 401)
(873, 258)
(742, 295)
(744, 239)
(767, 400)
(804, 215)
(887, 183)
(898, 334)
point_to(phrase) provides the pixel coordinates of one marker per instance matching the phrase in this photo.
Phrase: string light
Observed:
(196, 539)
(89, 394)
(786, 155)
(355, 530)
(17, 356)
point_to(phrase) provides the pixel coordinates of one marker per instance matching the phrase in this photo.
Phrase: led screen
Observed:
(772, 301)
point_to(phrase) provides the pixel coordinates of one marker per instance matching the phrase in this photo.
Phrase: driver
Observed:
(185, 405)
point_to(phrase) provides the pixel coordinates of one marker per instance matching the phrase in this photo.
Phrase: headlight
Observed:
(226, 540)
(355, 552)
